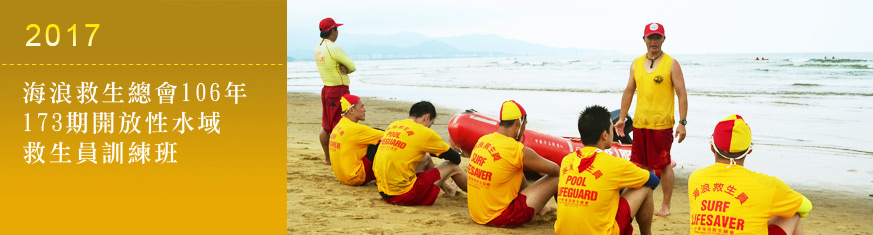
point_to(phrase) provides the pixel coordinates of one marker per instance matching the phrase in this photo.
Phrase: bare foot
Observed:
(326, 162)
(546, 210)
(665, 211)
(450, 188)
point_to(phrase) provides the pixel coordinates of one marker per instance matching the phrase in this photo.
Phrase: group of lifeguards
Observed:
(596, 193)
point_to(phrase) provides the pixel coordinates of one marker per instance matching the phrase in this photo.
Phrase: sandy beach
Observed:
(318, 204)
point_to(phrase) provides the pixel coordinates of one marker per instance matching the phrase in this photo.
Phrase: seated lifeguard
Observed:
(729, 198)
(498, 194)
(353, 145)
(589, 201)
(405, 173)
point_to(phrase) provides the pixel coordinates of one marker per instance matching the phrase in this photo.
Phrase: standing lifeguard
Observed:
(334, 66)
(656, 77)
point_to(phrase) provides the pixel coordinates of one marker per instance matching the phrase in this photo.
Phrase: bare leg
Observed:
(667, 186)
(790, 225)
(524, 184)
(460, 178)
(425, 164)
(799, 229)
(539, 193)
(641, 206)
(449, 170)
(324, 138)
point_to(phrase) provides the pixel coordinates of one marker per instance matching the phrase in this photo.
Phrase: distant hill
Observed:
(408, 45)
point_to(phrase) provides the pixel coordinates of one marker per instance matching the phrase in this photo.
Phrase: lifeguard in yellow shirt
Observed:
(727, 198)
(656, 77)
(353, 145)
(334, 66)
(405, 174)
(589, 201)
(498, 194)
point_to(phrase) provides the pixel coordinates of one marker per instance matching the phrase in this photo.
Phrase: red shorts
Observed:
(773, 229)
(623, 217)
(516, 214)
(368, 168)
(651, 148)
(423, 193)
(331, 111)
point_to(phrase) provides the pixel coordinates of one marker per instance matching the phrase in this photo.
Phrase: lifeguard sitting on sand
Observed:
(405, 174)
(727, 198)
(353, 145)
(589, 201)
(496, 174)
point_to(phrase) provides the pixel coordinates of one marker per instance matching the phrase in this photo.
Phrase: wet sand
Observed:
(318, 204)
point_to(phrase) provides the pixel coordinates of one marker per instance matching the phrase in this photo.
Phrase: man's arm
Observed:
(537, 163)
(626, 100)
(679, 86)
(343, 59)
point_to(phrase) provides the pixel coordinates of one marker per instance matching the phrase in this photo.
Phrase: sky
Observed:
(698, 27)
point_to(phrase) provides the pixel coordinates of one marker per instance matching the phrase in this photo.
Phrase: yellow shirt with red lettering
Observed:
(402, 147)
(588, 197)
(736, 200)
(348, 146)
(329, 57)
(494, 176)
(655, 94)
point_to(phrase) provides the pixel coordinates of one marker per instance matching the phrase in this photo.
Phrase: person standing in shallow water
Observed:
(656, 77)
(334, 66)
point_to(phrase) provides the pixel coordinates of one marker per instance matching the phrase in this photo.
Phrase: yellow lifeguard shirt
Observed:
(348, 145)
(655, 94)
(402, 147)
(736, 200)
(494, 176)
(588, 197)
(329, 57)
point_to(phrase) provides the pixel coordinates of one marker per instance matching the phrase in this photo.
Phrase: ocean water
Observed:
(810, 116)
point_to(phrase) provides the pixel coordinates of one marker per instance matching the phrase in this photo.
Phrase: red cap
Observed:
(348, 100)
(653, 28)
(327, 24)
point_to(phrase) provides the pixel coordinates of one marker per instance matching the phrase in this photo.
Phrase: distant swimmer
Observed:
(334, 66)
(727, 197)
(657, 78)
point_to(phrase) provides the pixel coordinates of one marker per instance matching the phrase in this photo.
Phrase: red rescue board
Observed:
(465, 129)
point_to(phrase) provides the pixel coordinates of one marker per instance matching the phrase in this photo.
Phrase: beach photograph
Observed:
(801, 80)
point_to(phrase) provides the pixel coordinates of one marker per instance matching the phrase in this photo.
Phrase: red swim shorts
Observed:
(423, 193)
(651, 148)
(773, 229)
(515, 214)
(331, 111)
(368, 169)
(623, 217)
